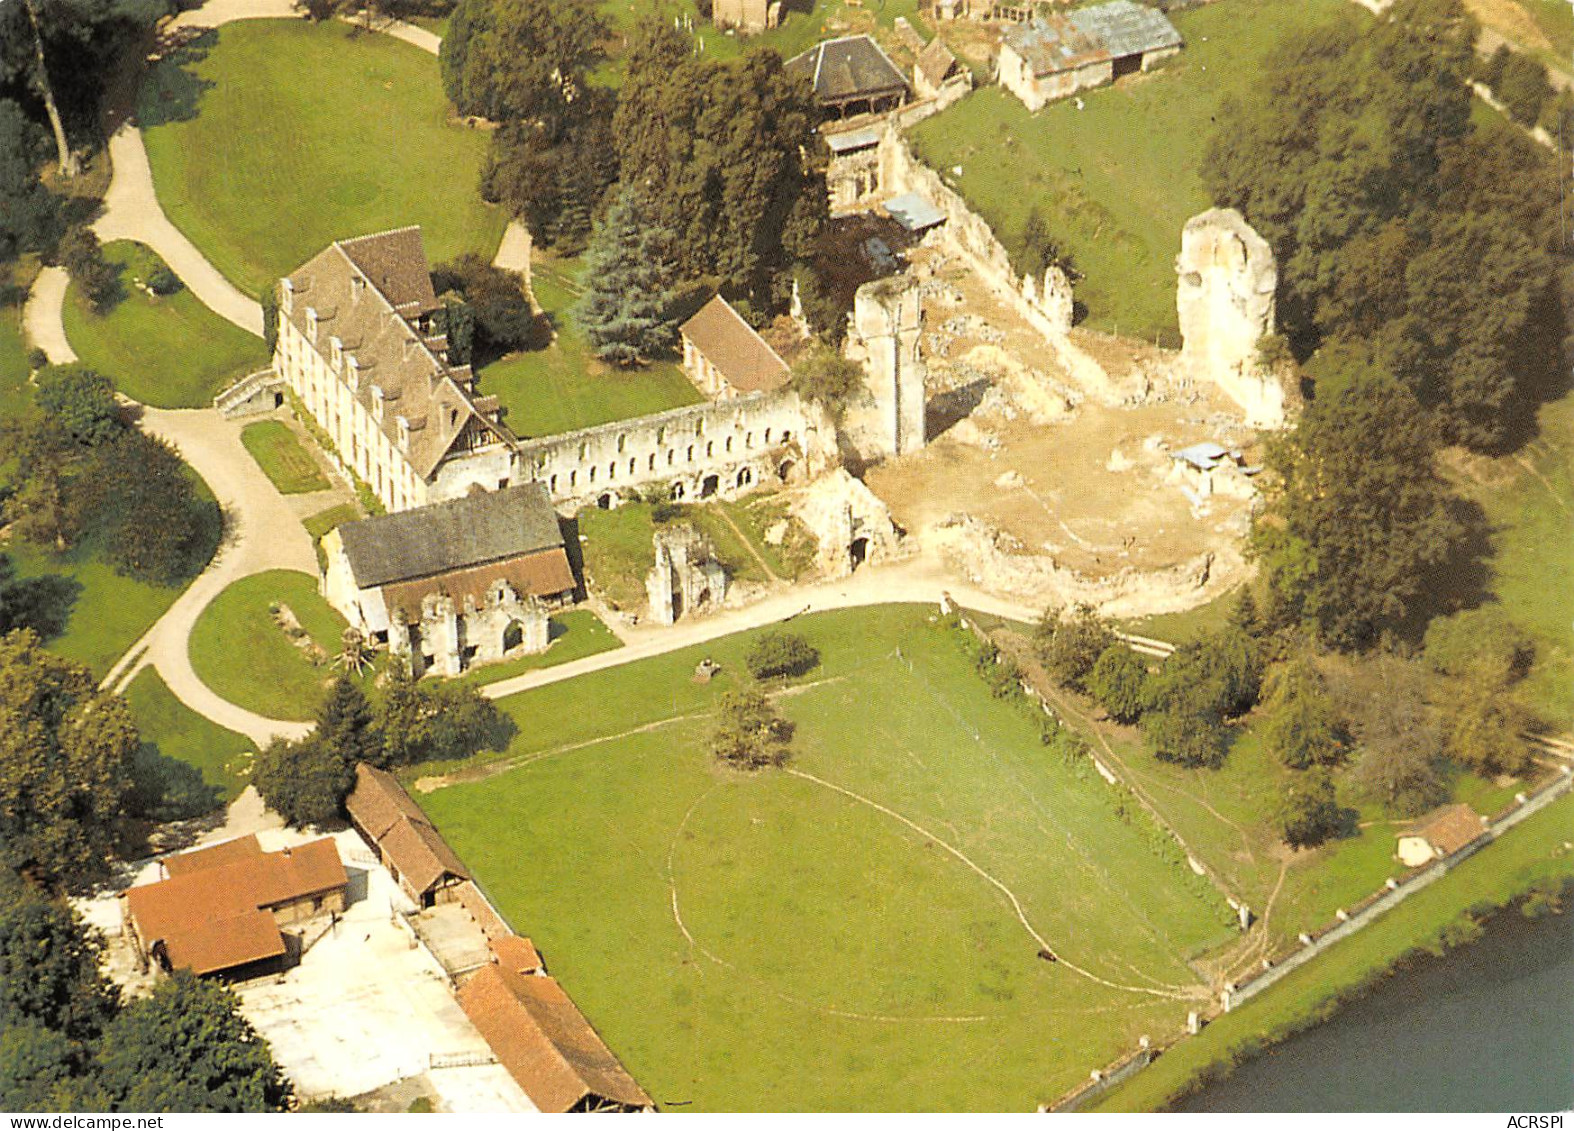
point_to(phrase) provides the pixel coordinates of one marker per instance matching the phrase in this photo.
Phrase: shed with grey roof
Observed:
(1054, 56)
(851, 75)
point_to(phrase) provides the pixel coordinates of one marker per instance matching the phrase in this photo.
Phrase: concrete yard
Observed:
(368, 1007)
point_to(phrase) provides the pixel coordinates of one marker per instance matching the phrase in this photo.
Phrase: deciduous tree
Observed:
(749, 734)
(65, 765)
(49, 966)
(781, 654)
(1118, 681)
(1301, 729)
(186, 1047)
(1309, 812)
(1070, 645)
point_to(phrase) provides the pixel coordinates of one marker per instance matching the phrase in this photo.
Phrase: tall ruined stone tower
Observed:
(1225, 300)
(888, 418)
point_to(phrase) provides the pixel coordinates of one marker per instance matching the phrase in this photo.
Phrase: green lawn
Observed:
(803, 25)
(271, 138)
(1116, 180)
(563, 387)
(283, 458)
(1531, 510)
(904, 976)
(16, 395)
(108, 613)
(619, 551)
(243, 655)
(167, 351)
(575, 634)
(166, 723)
(1535, 851)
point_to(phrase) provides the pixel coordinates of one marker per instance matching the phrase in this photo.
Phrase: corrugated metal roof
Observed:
(914, 212)
(849, 140)
(1124, 27)
(1050, 45)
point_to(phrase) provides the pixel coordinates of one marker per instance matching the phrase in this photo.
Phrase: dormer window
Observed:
(357, 285)
(338, 351)
(311, 323)
(352, 368)
(287, 296)
(404, 432)
(377, 402)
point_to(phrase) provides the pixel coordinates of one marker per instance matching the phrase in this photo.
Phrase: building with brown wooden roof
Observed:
(455, 584)
(542, 1039)
(360, 345)
(220, 909)
(1440, 835)
(406, 843)
(725, 357)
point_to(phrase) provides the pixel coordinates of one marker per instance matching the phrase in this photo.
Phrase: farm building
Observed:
(220, 909)
(724, 357)
(1440, 835)
(542, 1039)
(1050, 57)
(850, 76)
(456, 584)
(934, 67)
(406, 843)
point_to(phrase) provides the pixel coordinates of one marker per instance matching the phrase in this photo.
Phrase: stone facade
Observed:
(686, 578)
(722, 448)
(451, 638)
(1225, 300)
(887, 418)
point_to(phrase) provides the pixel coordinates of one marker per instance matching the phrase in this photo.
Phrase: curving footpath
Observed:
(261, 532)
(919, 581)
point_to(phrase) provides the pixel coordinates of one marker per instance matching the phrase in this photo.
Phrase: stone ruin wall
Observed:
(1224, 297)
(743, 442)
(887, 417)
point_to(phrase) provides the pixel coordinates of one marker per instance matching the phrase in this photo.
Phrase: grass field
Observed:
(1116, 180)
(563, 387)
(804, 23)
(168, 351)
(271, 138)
(283, 458)
(16, 395)
(575, 634)
(1529, 501)
(166, 723)
(828, 904)
(1492, 878)
(618, 548)
(243, 655)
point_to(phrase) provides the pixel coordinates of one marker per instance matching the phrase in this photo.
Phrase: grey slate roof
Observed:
(849, 68)
(483, 527)
(1052, 45)
(1124, 28)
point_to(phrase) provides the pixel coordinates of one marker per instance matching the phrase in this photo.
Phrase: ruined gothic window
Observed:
(632, 464)
(661, 434)
(691, 453)
(621, 440)
(728, 445)
(767, 435)
(786, 436)
(554, 484)
(573, 475)
(652, 466)
(612, 471)
(592, 475)
(710, 448)
(584, 449)
(748, 439)
(672, 457)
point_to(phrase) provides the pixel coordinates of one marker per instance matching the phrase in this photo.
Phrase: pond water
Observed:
(1488, 1027)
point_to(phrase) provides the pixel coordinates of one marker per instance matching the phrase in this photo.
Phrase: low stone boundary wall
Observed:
(1396, 891)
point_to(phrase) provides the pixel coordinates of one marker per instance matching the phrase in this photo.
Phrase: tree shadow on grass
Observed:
(1462, 582)
(172, 90)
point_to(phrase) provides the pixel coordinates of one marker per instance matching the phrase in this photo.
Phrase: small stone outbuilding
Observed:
(1050, 57)
(725, 358)
(1440, 835)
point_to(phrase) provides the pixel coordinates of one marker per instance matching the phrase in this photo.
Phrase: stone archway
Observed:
(785, 469)
(858, 552)
(709, 486)
(513, 635)
(745, 477)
